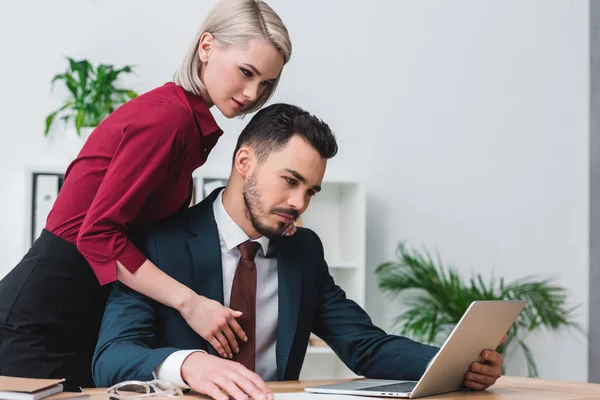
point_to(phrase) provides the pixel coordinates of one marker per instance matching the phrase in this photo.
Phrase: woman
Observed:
(136, 168)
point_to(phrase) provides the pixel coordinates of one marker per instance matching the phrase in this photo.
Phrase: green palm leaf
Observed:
(437, 296)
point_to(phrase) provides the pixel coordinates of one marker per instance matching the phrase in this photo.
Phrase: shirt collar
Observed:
(232, 234)
(204, 118)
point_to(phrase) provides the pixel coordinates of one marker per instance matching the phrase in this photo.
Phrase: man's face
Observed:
(280, 188)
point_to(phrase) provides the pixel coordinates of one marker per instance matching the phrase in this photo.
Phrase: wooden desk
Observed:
(507, 387)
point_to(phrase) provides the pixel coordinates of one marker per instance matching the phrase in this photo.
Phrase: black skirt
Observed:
(51, 306)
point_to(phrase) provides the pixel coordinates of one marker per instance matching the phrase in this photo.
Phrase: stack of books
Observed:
(12, 388)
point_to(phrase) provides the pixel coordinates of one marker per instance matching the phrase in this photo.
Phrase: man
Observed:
(229, 248)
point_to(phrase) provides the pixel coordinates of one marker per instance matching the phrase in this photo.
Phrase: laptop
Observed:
(481, 327)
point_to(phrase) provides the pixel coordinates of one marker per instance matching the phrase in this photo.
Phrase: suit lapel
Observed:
(290, 288)
(205, 250)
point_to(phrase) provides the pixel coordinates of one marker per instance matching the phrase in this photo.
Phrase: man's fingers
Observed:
(483, 369)
(474, 385)
(485, 380)
(213, 391)
(249, 387)
(232, 388)
(255, 379)
(492, 357)
(224, 343)
(231, 339)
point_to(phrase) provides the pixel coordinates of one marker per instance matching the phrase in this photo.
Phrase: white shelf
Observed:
(338, 215)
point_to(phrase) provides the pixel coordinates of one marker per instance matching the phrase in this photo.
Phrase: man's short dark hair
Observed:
(272, 127)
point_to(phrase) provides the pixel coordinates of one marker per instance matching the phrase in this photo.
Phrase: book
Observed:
(68, 396)
(13, 388)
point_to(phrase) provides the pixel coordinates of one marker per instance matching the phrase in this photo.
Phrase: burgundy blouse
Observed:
(135, 168)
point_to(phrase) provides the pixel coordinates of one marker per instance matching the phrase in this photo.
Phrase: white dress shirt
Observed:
(267, 302)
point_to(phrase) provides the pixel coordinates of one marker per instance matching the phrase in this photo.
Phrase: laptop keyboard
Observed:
(403, 387)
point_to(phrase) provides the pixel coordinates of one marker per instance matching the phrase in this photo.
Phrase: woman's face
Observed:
(235, 76)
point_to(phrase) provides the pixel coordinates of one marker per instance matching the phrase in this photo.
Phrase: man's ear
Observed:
(205, 46)
(244, 161)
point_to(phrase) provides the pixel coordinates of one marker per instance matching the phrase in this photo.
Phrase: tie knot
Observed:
(248, 250)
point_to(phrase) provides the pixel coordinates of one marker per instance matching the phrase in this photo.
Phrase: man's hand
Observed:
(219, 378)
(482, 376)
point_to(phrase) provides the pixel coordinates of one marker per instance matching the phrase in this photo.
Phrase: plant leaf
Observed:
(437, 296)
(532, 370)
(49, 120)
(93, 92)
(51, 116)
(79, 118)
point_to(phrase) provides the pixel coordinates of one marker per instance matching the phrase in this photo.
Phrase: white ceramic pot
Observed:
(85, 132)
(74, 141)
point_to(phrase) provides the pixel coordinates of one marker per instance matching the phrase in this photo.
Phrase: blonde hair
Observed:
(235, 23)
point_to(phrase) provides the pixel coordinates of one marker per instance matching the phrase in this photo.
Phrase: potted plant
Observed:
(93, 94)
(437, 297)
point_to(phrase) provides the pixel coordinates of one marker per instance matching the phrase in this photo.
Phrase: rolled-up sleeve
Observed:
(141, 163)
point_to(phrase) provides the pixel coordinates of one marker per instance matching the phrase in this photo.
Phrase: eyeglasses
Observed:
(130, 390)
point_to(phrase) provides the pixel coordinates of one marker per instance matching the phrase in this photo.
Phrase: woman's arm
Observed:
(218, 328)
(148, 146)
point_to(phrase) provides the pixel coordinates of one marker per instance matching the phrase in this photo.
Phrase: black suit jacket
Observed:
(138, 333)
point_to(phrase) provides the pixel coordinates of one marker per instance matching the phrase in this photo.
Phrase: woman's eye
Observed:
(247, 73)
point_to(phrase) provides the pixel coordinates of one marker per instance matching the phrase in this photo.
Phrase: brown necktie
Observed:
(243, 298)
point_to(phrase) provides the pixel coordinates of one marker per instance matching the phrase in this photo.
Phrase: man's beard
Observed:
(251, 196)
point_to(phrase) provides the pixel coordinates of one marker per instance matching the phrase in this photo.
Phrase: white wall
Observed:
(467, 119)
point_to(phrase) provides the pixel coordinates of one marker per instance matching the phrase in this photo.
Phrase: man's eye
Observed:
(291, 182)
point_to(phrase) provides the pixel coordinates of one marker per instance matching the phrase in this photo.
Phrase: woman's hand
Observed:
(215, 323)
(290, 230)
(210, 319)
